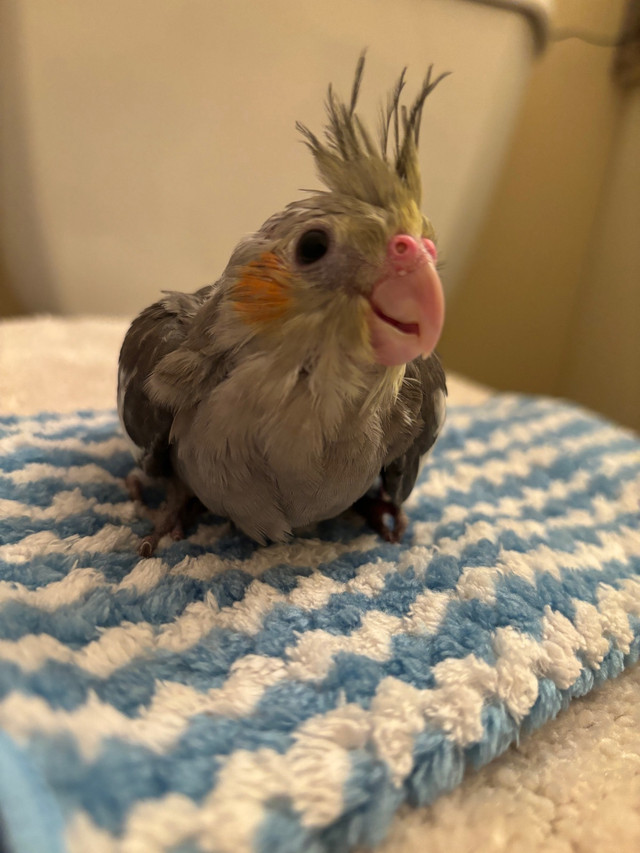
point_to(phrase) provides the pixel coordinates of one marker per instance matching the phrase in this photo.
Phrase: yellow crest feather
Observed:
(350, 162)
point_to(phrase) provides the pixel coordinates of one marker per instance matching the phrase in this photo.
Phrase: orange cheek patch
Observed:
(262, 293)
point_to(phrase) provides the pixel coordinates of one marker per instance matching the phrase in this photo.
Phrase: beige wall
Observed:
(10, 305)
(141, 139)
(525, 315)
(602, 367)
(514, 320)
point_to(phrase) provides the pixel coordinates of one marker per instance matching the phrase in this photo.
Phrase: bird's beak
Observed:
(406, 303)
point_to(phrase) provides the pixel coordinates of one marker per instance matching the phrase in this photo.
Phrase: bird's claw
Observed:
(167, 523)
(147, 546)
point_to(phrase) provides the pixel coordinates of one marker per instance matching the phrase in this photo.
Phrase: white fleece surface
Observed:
(572, 786)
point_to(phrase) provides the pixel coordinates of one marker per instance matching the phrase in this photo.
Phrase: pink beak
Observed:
(407, 302)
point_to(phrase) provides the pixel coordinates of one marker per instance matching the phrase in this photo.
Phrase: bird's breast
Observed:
(239, 442)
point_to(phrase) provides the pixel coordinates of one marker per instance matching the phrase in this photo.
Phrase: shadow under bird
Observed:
(304, 381)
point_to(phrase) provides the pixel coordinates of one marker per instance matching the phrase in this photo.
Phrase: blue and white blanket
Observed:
(225, 697)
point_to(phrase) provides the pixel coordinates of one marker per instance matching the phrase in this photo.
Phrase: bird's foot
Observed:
(174, 517)
(386, 518)
(167, 522)
(177, 513)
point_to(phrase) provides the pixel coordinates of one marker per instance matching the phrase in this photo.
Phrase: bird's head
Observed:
(356, 263)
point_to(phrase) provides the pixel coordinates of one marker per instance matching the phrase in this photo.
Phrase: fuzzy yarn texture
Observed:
(226, 697)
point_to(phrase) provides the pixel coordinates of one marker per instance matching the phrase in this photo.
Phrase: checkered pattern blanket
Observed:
(226, 697)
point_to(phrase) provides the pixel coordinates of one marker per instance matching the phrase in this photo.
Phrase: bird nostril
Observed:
(403, 246)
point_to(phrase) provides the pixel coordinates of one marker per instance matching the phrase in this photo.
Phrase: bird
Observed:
(304, 382)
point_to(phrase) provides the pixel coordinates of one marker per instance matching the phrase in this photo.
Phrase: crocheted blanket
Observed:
(226, 697)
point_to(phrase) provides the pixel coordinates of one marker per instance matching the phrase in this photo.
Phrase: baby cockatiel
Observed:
(304, 381)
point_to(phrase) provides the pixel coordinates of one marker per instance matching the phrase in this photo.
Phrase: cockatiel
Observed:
(304, 381)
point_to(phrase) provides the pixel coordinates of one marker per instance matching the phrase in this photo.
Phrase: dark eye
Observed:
(312, 246)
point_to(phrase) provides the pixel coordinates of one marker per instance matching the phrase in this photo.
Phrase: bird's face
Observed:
(332, 261)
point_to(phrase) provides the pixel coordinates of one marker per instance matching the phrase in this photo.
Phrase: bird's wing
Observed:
(157, 333)
(422, 402)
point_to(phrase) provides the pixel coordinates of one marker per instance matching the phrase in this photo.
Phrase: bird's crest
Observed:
(383, 172)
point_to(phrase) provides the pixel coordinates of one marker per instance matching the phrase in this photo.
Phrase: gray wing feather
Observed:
(422, 396)
(156, 332)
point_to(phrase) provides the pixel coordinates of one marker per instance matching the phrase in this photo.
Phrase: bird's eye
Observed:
(312, 246)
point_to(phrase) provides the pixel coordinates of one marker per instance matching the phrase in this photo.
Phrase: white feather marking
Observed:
(440, 409)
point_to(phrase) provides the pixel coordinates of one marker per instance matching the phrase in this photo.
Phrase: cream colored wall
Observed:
(143, 138)
(513, 320)
(522, 318)
(602, 368)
